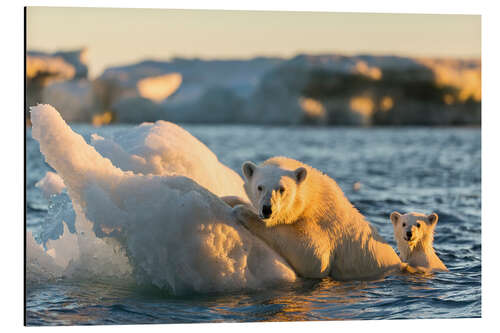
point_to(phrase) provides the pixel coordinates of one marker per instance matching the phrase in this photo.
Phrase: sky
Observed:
(124, 36)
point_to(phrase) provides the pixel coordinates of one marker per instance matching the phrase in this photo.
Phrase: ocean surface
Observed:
(380, 170)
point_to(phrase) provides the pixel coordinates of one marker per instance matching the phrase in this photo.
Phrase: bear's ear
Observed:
(433, 219)
(395, 217)
(300, 174)
(248, 169)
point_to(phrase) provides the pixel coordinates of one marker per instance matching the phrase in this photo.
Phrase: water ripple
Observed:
(411, 169)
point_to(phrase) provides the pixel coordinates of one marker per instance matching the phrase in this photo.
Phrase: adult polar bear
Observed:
(303, 214)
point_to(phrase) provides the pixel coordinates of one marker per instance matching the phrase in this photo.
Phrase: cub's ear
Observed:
(395, 217)
(300, 174)
(248, 169)
(433, 219)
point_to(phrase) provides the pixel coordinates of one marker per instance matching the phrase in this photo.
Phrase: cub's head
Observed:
(412, 228)
(274, 191)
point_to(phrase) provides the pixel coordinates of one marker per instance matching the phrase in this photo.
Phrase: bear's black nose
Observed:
(408, 234)
(266, 211)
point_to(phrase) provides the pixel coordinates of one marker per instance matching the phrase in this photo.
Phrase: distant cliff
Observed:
(327, 89)
(368, 90)
(60, 79)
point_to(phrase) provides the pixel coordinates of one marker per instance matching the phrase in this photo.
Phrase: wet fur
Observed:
(418, 251)
(313, 226)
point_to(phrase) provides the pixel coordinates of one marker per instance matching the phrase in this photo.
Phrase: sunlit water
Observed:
(404, 169)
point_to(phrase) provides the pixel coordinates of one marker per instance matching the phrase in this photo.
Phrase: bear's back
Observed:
(334, 228)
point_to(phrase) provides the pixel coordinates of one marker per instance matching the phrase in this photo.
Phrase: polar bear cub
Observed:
(414, 233)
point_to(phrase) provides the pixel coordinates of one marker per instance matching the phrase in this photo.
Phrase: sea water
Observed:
(379, 169)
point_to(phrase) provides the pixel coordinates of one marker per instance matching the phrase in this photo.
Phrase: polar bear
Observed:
(414, 233)
(303, 214)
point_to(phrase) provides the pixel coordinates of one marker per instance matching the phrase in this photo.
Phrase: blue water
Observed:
(404, 169)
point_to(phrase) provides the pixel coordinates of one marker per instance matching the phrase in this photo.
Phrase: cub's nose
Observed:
(408, 234)
(266, 211)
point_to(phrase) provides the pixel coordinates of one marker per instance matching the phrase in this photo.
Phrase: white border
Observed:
(13, 165)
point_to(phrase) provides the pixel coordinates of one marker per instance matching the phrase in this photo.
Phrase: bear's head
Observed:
(414, 228)
(275, 192)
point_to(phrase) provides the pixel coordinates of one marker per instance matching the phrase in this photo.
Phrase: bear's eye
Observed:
(404, 224)
(418, 225)
(259, 188)
(282, 189)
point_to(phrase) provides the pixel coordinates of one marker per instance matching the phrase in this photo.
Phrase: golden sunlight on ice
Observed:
(102, 119)
(158, 88)
(52, 65)
(361, 104)
(386, 103)
(372, 72)
(450, 72)
(312, 107)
